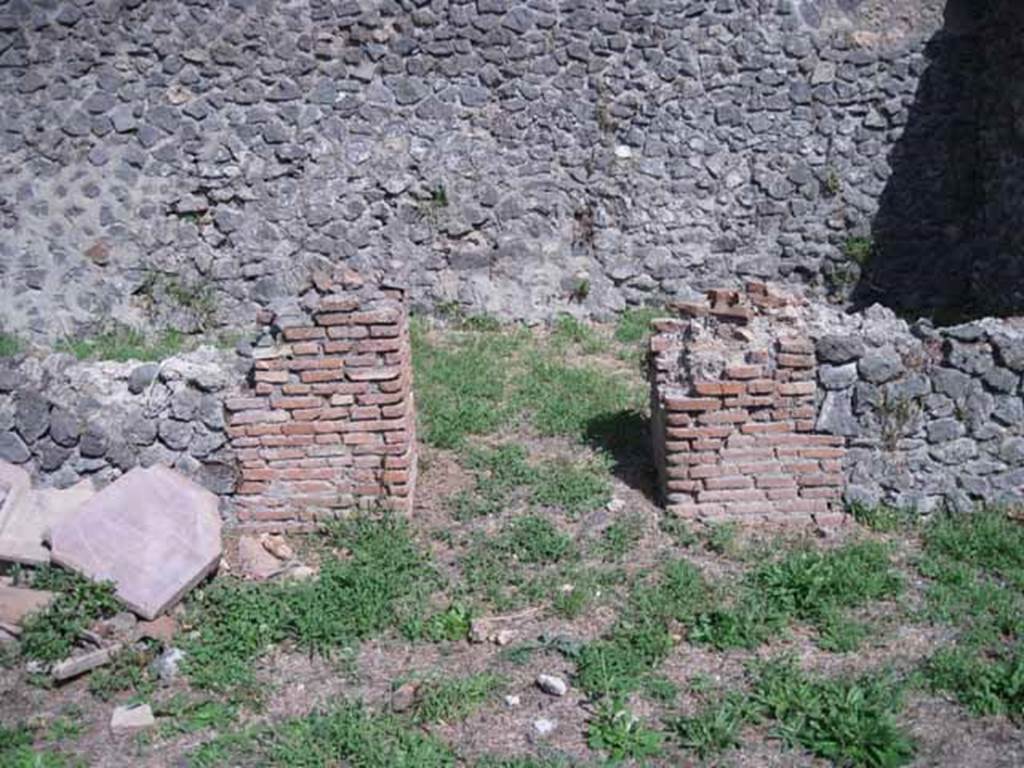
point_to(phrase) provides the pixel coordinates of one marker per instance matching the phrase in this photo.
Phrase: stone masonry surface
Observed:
(329, 423)
(882, 411)
(185, 164)
(733, 413)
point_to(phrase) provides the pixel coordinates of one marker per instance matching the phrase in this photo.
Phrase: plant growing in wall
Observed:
(895, 415)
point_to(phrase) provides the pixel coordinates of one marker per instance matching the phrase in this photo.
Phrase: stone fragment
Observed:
(85, 662)
(17, 603)
(880, 366)
(165, 666)
(276, 545)
(132, 718)
(153, 533)
(839, 349)
(256, 562)
(161, 629)
(141, 377)
(544, 726)
(13, 448)
(27, 517)
(404, 697)
(552, 685)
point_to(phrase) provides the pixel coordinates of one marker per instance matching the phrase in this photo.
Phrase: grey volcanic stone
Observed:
(141, 377)
(13, 448)
(880, 366)
(837, 376)
(65, 427)
(31, 415)
(839, 349)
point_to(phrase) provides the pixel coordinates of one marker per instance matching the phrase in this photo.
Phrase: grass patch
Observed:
(452, 699)
(621, 661)
(569, 331)
(380, 585)
(621, 537)
(576, 487)
(123, 343)
(16, 750)
(463, 383)
(10, 345)
(128, 671)
(851, 722)
(715, 728)
(883, 518)
(50, 635)
(634, 325)
(976, 565)
(181, 714)
(617, 731)
(346, 735)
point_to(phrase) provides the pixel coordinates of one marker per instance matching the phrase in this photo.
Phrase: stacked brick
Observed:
(328, 424)
(733, 413)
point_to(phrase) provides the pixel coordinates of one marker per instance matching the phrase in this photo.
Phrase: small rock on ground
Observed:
(129, 719)
(552, 685)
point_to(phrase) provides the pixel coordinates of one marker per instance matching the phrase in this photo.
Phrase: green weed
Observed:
(621, 537)
(452, 699)
(987, 539)
(381, 584)
(463, 384)
(181, 714)
(883, 518)
(634, 325)
(569, 331)
(16, 750)
(616, 731)
(574, 486)
(859, 250)
(620, 662)
(49, 635)
(985, 683)
(449, 625)
(346, 735)
(10, 345)
(122, 344)
(851, 722)
(715, 727)
(128, 671)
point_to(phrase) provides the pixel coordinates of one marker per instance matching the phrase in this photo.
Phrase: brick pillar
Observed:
(328, 423)
(733, 402)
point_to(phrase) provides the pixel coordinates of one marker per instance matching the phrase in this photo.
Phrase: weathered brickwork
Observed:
(328, 423)
(733, 413)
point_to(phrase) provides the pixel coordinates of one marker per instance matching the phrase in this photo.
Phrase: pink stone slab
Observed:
(154, 533)
(17, 603)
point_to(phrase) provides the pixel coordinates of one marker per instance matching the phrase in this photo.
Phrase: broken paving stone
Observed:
(256, 562)
(132, 718)
(154, 533)
(27, 515)
(17, 603)
(86, 662)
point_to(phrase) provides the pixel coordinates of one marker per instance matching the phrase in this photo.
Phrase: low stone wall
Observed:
(64, 420)
(328, 423)
(768, 407)
(733, 407)
(930, 416)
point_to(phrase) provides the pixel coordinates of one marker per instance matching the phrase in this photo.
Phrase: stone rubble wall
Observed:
(65, 420)
(329, 423)
(916, 417)
(931, 417)
(733, 414)
(185, 164)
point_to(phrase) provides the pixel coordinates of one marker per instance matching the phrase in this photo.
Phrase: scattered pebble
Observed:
(543, 726)
(129, 719)
(552, 685)
(404, 697)
(512, 700)
(165, 666)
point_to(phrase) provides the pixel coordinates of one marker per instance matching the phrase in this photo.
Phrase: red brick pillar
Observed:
(328, 423)
(733, 422)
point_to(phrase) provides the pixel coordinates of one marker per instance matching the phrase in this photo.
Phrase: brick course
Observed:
(327, 426)
(733, 413)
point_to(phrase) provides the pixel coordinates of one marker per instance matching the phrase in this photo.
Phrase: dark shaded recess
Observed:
(949, 232)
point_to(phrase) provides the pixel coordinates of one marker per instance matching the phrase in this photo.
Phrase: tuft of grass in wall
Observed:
(122, 344)
(10, 345)
(348, 734)
(883, 518)
(859, 250)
